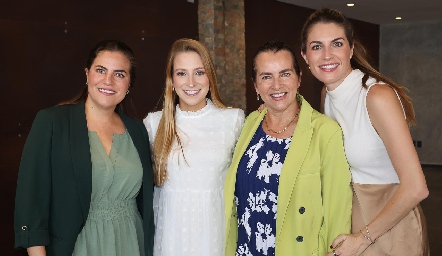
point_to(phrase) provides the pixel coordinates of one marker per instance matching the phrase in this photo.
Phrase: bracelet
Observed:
(368, 236)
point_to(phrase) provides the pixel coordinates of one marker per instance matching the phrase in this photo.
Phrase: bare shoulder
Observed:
(379, 93)
(382, 96)
(384, 107)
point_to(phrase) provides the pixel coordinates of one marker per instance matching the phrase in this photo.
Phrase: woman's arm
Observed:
(32, 198)
(387, 117)
(37, 251)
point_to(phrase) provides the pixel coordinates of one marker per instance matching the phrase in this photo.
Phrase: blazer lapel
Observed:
(292, 165)
(81, 155)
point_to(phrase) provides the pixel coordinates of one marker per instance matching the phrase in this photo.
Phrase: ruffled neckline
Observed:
(205, 109)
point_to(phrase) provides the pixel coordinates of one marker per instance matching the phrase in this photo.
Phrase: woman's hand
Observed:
(37, 251)
(349, 245)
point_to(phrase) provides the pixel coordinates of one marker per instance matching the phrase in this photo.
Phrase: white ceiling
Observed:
(380, 11)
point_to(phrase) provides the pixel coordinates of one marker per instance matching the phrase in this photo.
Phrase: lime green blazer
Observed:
(54, 182)
(314, 194)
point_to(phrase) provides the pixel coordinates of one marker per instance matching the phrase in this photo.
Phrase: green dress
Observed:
(114, 226)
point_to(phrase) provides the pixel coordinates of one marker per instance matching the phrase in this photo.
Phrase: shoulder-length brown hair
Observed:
(167, 131)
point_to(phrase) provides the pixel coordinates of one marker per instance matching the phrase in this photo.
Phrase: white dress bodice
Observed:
(189, 207)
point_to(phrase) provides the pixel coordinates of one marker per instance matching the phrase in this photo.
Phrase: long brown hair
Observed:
(360, 57)
(167, 131)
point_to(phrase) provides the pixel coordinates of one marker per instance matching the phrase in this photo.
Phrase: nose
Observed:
(277, 83)
(108, 79)
(191, 81)
(327, 55)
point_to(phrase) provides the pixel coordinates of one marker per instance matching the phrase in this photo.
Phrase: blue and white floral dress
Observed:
(256, 193)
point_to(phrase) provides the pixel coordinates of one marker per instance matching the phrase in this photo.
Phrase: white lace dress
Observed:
(189, 207)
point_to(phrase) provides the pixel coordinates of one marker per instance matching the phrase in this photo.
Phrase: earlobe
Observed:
(304, 57)
(352, 50)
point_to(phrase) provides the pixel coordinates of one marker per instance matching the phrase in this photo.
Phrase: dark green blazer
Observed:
(54, 183)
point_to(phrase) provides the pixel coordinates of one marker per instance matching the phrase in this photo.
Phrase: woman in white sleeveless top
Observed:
(374, 113)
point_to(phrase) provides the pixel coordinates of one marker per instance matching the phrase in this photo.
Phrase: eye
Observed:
(266, 77)
(120, 75)
(316, 47)
(100, 70)
(200, 72)
(285, 74)
(180, 73)
(337, 44)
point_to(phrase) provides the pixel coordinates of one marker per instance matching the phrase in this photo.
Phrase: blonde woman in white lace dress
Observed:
(193, 138)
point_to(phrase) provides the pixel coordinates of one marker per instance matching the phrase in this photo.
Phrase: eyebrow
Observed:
(334, 40)
(265, 74)
(285, 70)
(280, 72)
(117, 70)
(198, 68)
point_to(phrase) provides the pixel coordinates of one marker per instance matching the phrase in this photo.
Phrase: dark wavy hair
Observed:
(275, 46)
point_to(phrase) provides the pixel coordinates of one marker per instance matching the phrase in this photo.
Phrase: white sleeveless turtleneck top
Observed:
(366, 153)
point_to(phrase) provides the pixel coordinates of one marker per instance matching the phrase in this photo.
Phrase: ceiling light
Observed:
(350, 4)
(398, 18)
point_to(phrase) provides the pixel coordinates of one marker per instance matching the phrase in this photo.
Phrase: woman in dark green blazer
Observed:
(55, 182)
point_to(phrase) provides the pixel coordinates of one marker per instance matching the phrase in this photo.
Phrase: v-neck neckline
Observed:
(112, 149)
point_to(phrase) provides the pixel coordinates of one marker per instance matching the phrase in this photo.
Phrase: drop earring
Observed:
(127, 92)
(257, 96)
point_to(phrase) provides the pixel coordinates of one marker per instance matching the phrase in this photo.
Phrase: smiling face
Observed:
(108, 79)
(276, 80)
(190, 81)
(328, 54)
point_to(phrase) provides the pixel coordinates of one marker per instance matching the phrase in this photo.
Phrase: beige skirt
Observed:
(408, 237)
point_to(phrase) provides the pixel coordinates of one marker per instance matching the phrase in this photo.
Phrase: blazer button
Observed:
(301, 210)
(300, 239)
(24, 228)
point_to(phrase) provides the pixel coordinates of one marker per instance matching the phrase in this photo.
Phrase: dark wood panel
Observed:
(43, 50)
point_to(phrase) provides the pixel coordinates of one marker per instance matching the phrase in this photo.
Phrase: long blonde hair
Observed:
(360, 58)
(167, 131)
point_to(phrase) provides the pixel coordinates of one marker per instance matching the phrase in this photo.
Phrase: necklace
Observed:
(285, 128)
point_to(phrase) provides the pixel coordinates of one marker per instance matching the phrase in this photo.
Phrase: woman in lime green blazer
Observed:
(314, 196)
